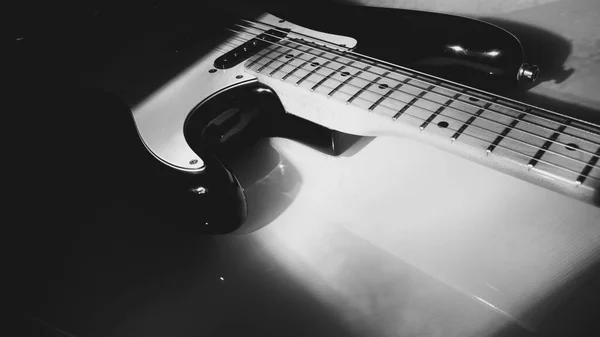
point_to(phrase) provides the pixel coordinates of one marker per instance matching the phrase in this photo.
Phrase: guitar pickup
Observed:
(249, 48)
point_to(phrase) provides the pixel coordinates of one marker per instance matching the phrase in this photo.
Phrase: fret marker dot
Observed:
(345, 73)
(473, 99)
(443, 124)
(572, 147)
(383, 86)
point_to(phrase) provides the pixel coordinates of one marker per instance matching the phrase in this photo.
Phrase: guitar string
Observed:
(448, 107)
(585, 163)
(578, 149)
(465, 112)
(397, 67)
(587, 176)
(467, 95)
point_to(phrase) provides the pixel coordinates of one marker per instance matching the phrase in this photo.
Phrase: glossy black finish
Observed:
(231, 129)
(227, 126)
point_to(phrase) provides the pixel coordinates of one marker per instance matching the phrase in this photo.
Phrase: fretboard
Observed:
(503, 133)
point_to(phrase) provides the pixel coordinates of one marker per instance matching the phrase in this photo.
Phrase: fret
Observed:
(551, 147)
(271, 60)
(567, 157)
(588, 168)
(387, 94)
(301, 65)
(505, 132)
(253, 62)
(330, 74)
(439, 110)
(534, 137)
(578, 142)
(586, 131)
(367, 86)
(498, 126)
(315, 70)
(538, 155)
(347, 80)
(404, 108)
(412, 102)
(469, 122)
(290, 58)
(478, 126)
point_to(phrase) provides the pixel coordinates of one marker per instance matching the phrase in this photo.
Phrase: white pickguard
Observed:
(160, 117)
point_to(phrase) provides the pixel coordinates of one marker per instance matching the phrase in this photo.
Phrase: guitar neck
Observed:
(360, 95)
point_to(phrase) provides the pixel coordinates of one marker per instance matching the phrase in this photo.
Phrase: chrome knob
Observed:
(528, 72)
(199, 190)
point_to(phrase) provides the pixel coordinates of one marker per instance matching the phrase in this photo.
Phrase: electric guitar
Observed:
(504, 208)
(198, 122)
(268, 71)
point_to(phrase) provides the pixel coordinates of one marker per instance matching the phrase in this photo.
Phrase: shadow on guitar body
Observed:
(247, 182)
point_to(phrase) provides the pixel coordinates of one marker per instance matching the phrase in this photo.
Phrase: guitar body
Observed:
(419, 241)
(223, 114)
